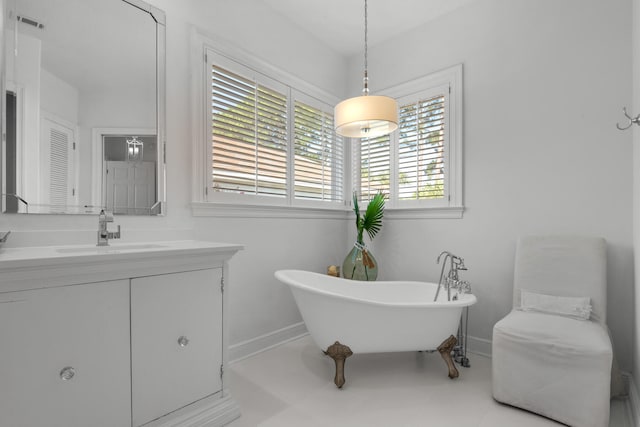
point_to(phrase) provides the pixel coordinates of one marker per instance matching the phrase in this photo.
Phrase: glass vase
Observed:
(360, 264)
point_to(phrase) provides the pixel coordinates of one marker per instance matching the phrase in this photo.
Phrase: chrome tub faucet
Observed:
(456, 264)
(103, 234)
(452, 280)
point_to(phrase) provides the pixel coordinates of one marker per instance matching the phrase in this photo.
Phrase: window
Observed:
(419, 165)
(270, 142)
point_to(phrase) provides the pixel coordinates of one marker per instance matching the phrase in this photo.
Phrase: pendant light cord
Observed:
(365, 90)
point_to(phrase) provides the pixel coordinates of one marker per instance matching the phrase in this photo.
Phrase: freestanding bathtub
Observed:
(349, 316)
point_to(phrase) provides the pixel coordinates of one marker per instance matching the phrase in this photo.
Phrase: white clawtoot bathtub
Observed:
(371, 317)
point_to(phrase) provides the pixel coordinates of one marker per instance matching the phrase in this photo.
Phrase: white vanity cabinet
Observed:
(176, 331)
(57, 371)
(122, 336)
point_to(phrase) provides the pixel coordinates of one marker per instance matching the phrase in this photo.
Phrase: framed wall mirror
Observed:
(84, 107)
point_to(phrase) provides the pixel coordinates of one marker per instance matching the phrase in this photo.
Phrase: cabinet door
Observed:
(176, 341)
(64, 356)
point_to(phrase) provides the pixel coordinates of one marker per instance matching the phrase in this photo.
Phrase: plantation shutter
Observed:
(318, 169)
(419, 166)
(249, 135)
(421, 141)
(375, 166)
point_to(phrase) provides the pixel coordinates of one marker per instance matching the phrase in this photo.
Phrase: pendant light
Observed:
(367, 115)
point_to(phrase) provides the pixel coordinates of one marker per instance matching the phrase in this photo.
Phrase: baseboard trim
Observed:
(248, 348)
(479, 346)
(633, 402)
(265, 342)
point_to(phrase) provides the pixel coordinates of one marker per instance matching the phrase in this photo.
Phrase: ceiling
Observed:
(340, 23)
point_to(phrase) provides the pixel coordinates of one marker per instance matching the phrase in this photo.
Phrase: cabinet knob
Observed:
(67, 373)
(183, 341)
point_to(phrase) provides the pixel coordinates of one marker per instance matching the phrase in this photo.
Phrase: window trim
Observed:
(249, 210)
(453, 202)
(202, 43)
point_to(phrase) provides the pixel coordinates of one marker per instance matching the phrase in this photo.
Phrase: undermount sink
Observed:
(109, 249)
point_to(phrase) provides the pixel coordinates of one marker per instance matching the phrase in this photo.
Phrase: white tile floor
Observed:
(292, 386)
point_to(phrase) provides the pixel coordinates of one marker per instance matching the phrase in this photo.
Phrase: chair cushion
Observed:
(554, 332)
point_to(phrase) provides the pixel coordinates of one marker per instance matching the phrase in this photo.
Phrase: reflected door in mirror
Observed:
(129, 174)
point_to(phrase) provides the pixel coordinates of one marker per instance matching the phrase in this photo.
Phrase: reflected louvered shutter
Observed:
(59, 168)
(421, 149)
(375, 166)
(318, 169)
(249, 136)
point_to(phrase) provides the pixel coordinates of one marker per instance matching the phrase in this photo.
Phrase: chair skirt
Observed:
(555, 366)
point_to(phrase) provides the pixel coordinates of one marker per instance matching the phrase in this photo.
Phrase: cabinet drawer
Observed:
(64, 357)
(176, 336)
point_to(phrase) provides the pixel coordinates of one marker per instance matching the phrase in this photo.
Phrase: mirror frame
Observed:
(159, 17)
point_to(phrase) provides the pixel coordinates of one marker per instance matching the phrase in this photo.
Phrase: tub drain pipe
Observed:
(460, 351)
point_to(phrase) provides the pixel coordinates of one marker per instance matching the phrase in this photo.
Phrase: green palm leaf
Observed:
(372, 219)
(356, 209)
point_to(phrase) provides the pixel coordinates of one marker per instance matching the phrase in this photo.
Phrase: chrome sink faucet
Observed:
(103, 234)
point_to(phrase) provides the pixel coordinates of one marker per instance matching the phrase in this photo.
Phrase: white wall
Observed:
(58, 97)
(544, 85)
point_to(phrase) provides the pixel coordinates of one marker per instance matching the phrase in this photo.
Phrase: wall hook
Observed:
(633, 120)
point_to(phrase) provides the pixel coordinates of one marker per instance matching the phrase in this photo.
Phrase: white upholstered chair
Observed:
(545, 359)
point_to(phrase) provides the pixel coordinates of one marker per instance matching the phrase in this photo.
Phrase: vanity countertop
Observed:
(27, 255)
(51, 265)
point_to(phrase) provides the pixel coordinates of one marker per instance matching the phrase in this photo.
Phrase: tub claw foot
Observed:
(339, 353)
(445, 351)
